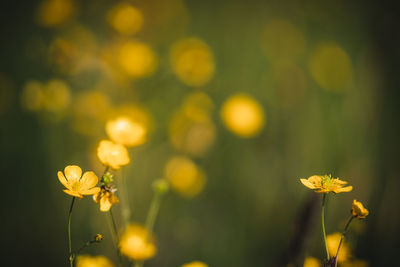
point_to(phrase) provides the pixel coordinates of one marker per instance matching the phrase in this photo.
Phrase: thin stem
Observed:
(152, 214)
(342, 238)
(70, 255)
(115, 234)
(323, 224)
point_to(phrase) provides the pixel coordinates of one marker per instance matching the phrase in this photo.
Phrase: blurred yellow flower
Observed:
(137, 59)
(112, 155)
(56, 95)
(125, 19)
(326, 184)
(185, 177)
(191, 129)
(76, 185)
(52, 13)
(136, 244)
(312, 262)
(333, 241)
(331, 67)
(106, 198)
(243, 115)
(192, 61)
(93, 261)
(358, 210)
(195, 264)
(125, 131)
(32, 96)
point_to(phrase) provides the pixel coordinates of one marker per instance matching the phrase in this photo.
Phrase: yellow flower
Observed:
(124, 131)
(184, 176)
(76, 184)
(326, 184)
(312, 262)
(134, 245)
(112, 155)
(243, 115)
(358, 210)
(106, 198)
(93, 261)
(333, 241)
(195, 264)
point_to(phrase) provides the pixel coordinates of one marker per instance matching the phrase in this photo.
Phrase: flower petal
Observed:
(307, 183)
(73, 173)
(315, 179)
(62, 179)
(105, 204)
(72, 193)
(88, 180)
(343, 189)
(337, 181)
(91, 191)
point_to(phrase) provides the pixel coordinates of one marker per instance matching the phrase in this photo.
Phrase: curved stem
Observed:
(342, 238)
(323, 224)
(70, 255)
(152, 215)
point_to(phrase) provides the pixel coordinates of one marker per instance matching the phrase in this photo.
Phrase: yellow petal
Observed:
(307, 183)
(62, 179)
(72, 193)
(105, 204)
(88, 180)
(343, 189)
(91, 191)
(337, 181)
(73, 173)
(315, 179)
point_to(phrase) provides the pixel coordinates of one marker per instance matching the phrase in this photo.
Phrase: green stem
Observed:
(342, 238)
(152, 215)
(115, 234)
(70, 255)
(323, 224)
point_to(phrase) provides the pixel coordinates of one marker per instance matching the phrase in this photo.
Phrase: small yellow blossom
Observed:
(93, 261)
(333, 241)
(312, 262)
(243, 115)
(76, 184)
(112, 155)
(195, 264)
(358, 210)
(136, 244)
(184, 176)
(98, 238)
(125, 131)
(326, 184)
(106, 198)
(125, 19)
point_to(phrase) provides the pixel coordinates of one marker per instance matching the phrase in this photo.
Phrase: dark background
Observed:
(252, 204)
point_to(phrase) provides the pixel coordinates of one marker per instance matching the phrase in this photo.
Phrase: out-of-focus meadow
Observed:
(243, 97)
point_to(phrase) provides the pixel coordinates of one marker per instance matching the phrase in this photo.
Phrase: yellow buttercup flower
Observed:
(125, 131)
(93, 261)
(136, 244)
(106, 198)
(112, 155)
(125, 19)
(312, 262)
(358, 210)
(243, 115)
(326, 184)
(333, 241)
(76, 184)
(195, 264)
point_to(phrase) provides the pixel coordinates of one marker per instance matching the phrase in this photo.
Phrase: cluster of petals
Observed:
(358, 210)
(106, 198)
(136, 244)
(112, 154)
(76, 184)
(326, 184)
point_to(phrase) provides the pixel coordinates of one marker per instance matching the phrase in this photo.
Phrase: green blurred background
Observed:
(325, 74)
